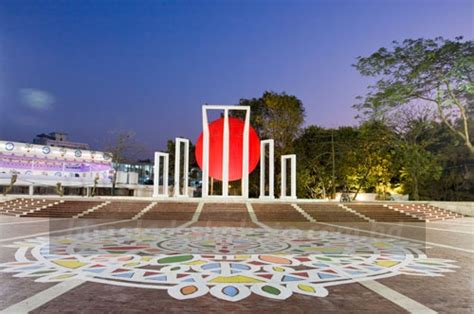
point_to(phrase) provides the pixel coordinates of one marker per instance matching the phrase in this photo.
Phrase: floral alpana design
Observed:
(228, 263)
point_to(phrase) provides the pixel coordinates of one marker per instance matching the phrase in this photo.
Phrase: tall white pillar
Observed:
(177, 167)
(245, 154)
(292, 159)
(205, 153)
(225, 155)
(156, 174)
(271, 168)
(225, 152)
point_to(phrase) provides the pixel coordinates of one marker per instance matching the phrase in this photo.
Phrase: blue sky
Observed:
(148, 66)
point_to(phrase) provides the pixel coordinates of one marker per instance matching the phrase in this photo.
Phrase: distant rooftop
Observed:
(58, 139)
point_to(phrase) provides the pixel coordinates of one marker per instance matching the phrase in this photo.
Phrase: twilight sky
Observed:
(91, 67)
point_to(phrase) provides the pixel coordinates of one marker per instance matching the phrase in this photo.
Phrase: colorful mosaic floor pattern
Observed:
(228, 263)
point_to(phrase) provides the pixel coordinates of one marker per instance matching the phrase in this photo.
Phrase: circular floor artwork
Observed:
(228, 263)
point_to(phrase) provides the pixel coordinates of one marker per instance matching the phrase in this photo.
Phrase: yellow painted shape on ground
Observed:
(386, 263)
(235, 279)
(208, 242)
(382, 245)
(242, 256)
(65, 241)
(198, 262)
(63, 276)
(69, 264)
(306, 288)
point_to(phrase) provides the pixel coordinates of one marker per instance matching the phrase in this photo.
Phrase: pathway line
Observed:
(253, 217)
(196, 215)
(63, 230)
(397, 237)
(42, 297)
(393, 296)
(427, 228)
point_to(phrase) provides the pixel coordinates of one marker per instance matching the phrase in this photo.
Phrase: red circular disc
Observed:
(236, 130)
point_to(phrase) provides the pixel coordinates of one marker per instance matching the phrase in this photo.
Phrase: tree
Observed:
(123, 148)
(434, 72)
(417, 164)
(277, 116)
(8, 189)
(372, 160)
(313, 150)
(456, 181)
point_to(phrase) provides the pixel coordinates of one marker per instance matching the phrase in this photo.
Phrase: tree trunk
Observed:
(416, 196)
(470, 147)
(114, 179)
(360, 184)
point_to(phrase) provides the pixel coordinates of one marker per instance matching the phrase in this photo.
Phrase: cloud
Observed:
(36, 99)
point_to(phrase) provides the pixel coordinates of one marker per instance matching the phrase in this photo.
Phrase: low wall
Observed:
(5, 198)
(465, 208)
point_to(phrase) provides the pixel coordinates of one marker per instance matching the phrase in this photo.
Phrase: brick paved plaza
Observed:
(246, 257)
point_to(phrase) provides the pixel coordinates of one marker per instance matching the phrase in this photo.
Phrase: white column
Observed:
(225, 155)
(292, 159)
(271, 168)
(225, 152)
(166, 175)
(262, 169)
(186, 168)
(177, 167)
(31, 189)
(245, 155)
(156, 174)
(293, 176)
(205, 153)
(283, 177)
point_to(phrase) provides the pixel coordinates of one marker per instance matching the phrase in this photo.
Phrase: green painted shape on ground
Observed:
(271, 290)
(175, 259)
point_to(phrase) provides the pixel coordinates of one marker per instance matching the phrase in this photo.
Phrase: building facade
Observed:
(44, 165)
(58, 139)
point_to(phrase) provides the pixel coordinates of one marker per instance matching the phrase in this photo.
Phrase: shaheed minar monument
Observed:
(227, 150)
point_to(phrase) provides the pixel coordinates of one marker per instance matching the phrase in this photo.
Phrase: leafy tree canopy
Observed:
(436, 71)
(278, 116)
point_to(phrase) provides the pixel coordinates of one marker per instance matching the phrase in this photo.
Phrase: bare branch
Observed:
(463, 115)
